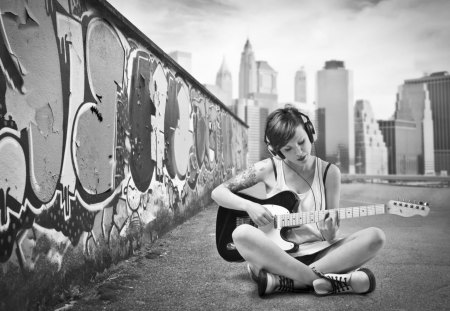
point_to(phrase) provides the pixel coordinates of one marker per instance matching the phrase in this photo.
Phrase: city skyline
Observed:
(382, 42)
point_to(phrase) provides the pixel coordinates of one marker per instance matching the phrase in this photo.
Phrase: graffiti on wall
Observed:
(97, 134)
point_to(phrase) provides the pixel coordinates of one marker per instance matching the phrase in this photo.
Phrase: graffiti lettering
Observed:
(109, 137)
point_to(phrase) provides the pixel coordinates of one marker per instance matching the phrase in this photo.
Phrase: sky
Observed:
(383, 42)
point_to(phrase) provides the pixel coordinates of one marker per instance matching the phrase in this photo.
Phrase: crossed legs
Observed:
(344, 256)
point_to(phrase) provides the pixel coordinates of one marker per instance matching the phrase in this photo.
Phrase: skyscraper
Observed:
(414, 104)
(434, 88)
(182, 58)
(370, 149)
(335, 96)
(266, 93)
(223, 89)
(300, 86)
(257, 98)
(403, 138)
(247, 72)
(224, 81)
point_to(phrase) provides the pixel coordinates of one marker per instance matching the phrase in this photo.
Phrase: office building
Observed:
(266, 94)
(255, 117)
(434, 88)
(402, 139)
(223, 88)
(300, 86)
(247, 72)
(335, 96)
(184, 59)
(257, 98)
(370, 149)
(225, 83)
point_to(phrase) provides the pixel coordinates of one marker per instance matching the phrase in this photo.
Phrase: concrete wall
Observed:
(104, 139)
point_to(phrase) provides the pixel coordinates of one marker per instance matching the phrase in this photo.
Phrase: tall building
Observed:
(300, 86)
(225, 83)
(435, 89)
(223, 88)
(247, 72)
(266, 93)
(414, 104)
(255, 117)
(257, 98)
(402, 139)
(183, 58)
(335, 96)
(370, 149)
(402, 159)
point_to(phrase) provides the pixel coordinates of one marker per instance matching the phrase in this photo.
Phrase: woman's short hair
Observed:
(281, 126)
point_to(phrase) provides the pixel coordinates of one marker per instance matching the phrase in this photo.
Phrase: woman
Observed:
(289, 136)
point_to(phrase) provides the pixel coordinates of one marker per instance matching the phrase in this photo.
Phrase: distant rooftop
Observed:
(439, 74)
(435, 76)
(334, 64)
(262, 64)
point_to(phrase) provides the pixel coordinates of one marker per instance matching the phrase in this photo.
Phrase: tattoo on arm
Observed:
(242, 181)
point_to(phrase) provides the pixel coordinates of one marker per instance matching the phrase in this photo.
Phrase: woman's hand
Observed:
(330, 225)
(260, 215)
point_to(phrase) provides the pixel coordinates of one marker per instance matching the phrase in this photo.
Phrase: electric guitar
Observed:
(282, 206)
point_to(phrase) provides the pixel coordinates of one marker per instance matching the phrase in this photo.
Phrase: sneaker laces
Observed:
(339, 283)
(285, 284)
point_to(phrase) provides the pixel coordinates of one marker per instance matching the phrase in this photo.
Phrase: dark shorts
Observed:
(309, 259)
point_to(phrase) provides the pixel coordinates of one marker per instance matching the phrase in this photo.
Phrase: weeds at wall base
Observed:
(46, 287)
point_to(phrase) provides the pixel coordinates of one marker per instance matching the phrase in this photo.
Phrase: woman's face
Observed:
(298, 149)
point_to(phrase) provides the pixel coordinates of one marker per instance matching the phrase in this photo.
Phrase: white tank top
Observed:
(311, 200)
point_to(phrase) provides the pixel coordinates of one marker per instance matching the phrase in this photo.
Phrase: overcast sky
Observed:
(382, 42)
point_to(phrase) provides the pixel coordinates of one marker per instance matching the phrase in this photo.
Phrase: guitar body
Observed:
(283, 207)
(284, 202)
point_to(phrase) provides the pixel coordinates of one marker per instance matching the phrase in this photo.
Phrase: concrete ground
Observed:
(183, 270)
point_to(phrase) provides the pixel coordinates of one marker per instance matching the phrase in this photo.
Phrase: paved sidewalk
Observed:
(183, 270)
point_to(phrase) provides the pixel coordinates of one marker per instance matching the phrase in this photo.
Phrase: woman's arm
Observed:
(225, 195)
(330, 225)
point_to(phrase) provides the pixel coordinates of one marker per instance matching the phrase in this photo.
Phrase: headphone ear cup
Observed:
(275, 154)
(272, 153)
(310, 131)
(281, 155)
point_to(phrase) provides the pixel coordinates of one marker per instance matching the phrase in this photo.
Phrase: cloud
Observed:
(360, 5)
(382, 42)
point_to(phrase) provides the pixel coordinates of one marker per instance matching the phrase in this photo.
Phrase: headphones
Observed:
(309, 129)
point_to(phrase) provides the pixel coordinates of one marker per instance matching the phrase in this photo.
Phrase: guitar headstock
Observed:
(407, 209)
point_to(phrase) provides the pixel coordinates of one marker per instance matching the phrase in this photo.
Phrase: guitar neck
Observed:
(302, 218)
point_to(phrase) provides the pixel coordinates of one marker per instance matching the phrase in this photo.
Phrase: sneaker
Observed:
(269, 283)
(252, 274)
(331, 283)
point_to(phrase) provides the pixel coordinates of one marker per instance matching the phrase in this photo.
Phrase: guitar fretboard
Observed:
(302, 218)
